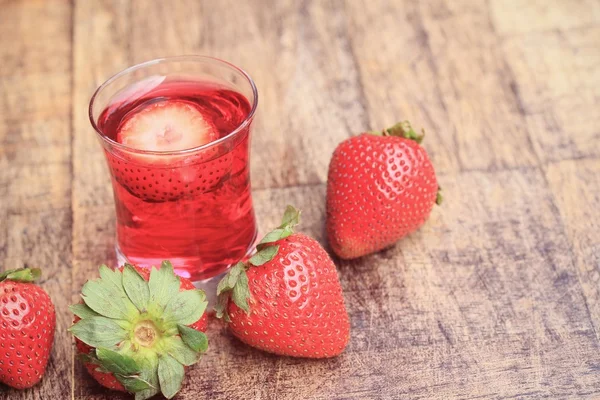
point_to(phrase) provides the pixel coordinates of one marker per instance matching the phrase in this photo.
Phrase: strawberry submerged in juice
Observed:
(182, 184)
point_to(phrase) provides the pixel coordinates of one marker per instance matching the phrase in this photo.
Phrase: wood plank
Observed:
(558, 86)
(575, 186)
(476, 83)
(44, 138)
(103, 26)
(35, 173)
(439, 62)
(399, 76)
(106, 25)
(43, 190)
(511, 17)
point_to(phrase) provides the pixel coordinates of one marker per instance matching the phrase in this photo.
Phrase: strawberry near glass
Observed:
(176, 136)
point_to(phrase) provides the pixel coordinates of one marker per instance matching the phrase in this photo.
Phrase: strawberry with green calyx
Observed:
(137, 329)
(27, 325)
(381, 187)
(287, 299)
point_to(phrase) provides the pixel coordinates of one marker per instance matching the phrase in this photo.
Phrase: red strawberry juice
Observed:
(183, 194)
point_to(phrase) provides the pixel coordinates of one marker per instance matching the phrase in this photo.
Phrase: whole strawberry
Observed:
(27, 323)
(287, 299)
(381, 187)
(137, 329)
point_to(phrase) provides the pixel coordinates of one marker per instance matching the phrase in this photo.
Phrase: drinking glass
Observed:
(191, 206)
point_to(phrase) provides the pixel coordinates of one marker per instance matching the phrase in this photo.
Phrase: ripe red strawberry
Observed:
(27, 322)
(137, 329)
(287, 299)
(168, 126)
(381, 187)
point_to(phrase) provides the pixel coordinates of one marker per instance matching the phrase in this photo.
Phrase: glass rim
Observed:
(198, 58)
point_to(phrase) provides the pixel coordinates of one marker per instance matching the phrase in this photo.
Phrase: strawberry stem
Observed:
(401, 129)
(26, 275)
(405, 130)
(438, 197)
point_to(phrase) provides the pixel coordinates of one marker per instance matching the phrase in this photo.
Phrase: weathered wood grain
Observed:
(570, 182)
(35, 166)
(477, 86)
(513, 17)
(558, 86)
(439, 62)
(495, 297)
(103, 26)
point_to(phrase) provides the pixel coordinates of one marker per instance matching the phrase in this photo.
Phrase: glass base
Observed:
(208, 285)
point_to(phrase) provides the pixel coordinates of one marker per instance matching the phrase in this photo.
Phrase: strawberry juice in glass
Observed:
(176, 136)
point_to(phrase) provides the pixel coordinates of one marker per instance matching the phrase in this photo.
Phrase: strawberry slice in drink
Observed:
(168, 126)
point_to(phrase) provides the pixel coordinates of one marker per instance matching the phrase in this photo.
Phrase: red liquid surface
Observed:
(192, 209)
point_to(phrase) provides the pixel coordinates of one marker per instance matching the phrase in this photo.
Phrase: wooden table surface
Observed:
(497, 296)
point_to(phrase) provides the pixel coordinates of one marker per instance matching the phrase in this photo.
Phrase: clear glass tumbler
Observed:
(176, 136)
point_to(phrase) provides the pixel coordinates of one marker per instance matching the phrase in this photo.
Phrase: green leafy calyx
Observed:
(25, 275)
(140, 329)
(234, 285)
(402, 129)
